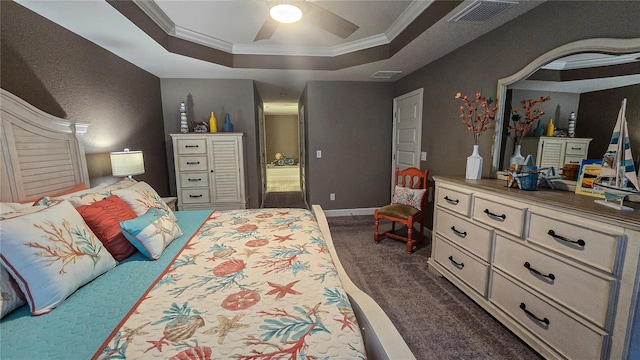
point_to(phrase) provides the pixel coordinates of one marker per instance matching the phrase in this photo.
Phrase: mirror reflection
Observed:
(586, 88)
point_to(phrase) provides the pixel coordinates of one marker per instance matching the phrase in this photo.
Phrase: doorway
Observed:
(407, 132)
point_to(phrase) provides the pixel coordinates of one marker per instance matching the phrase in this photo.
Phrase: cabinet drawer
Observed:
(198, 179)
(191, 146)
(192, 163)
(574, 160)
(195, 196)
(570, 337)
(463, 232)
(471, 271)
(576, 148)
(584, 292)
(572, 236)
(454, 200)
(501, 214)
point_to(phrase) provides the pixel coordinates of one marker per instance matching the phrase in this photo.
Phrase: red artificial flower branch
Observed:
(522, 125)
(479, 114)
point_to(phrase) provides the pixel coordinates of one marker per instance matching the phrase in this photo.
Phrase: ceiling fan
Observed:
(311, 13)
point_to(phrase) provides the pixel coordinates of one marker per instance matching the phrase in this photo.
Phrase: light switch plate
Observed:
(423, 156)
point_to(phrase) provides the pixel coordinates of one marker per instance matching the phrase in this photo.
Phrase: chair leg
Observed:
(409, 241)
(376, 235)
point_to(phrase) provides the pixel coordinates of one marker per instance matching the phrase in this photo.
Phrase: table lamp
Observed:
(127, 163)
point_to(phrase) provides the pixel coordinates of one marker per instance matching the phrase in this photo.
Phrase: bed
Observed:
(242, 284)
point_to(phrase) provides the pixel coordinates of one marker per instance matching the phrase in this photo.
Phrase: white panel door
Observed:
(407, 131)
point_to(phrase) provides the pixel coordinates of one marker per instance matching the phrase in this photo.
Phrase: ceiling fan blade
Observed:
(266, 31)
(330, 22)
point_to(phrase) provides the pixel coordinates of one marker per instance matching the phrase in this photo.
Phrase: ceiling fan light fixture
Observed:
(285, 13)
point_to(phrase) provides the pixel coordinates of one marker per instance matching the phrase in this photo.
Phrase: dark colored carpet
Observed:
(284, 199)
(433, 316)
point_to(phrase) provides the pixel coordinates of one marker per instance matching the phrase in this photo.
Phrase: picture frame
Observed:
(587, 174)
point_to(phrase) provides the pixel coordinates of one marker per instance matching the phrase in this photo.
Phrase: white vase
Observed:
(517, 158)
(474, 165)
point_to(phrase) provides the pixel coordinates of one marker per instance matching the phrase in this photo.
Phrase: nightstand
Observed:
(171, 202)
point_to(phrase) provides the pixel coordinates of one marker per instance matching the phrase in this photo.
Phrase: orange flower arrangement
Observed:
(521, 125)
(478, 114)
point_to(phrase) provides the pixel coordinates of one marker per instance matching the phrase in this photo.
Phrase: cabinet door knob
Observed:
(455, 263)
(523, 306)
(528, 266)
(451, 201)
(502, 217)
(553, 234)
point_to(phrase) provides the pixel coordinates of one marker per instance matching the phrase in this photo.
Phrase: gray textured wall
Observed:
(351, 122)
(281, 135)
(479, 65)
(67, 76)
(235, 97)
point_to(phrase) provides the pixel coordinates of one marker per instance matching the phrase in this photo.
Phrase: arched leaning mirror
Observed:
(579, 77)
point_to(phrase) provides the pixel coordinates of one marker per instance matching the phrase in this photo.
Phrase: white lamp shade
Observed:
(285, 13)
(126, 163)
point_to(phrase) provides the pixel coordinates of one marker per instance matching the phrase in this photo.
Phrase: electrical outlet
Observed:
(318, 154)
(332, 196)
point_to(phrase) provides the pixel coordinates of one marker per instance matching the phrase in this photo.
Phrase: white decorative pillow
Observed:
(51, 253)
(152, 232)
(6, 207)
(11, 297)
(25, 210)
(408, 196)
(141, 197)
(88, 196)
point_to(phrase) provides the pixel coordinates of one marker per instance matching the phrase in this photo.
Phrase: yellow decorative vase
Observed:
(213, 123)
(550, 128)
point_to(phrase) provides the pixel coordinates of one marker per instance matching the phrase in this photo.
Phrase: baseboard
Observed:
(349, 212)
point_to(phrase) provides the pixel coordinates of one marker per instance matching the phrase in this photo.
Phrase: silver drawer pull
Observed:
(502, 217)
(195, 196)
(462, 234)
(451, 201)
(456, 264)
(198, 179)
(524, 308)
(579, 242)
(528, 266)
(193, 162)
(192, 146)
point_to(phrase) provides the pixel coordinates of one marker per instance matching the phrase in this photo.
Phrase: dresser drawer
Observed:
(454, 200)
(574, 339)
(576, 148)
(192, 163)
(584, 292)
(596, 245)
(463, 232)
(574, 160)
(473, 272)
(196, 179)
(501, 214)
(195, 196)
(191, 146)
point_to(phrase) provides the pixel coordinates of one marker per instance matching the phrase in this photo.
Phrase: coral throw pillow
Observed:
(104, 217)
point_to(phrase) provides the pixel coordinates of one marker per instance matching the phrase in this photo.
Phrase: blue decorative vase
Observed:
(228, 126)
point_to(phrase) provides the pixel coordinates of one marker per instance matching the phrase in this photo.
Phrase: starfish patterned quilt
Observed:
(250, 284)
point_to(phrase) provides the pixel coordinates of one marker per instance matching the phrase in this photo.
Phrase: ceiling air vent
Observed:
(482, 10)
(385, 75)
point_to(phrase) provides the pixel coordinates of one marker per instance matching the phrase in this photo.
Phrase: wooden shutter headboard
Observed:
(41, 154)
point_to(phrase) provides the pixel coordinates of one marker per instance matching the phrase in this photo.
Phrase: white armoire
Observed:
(210, 170)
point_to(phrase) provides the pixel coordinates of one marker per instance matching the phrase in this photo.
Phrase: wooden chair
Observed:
(411, 178)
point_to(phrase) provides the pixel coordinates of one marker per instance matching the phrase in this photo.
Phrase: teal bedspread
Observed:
(81, 323)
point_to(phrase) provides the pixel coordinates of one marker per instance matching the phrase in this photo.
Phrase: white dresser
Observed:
(210, 170)
(555, 151)
(555, 268)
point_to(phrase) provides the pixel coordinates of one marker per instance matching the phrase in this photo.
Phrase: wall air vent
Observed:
(385, 75)
(482, 10)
